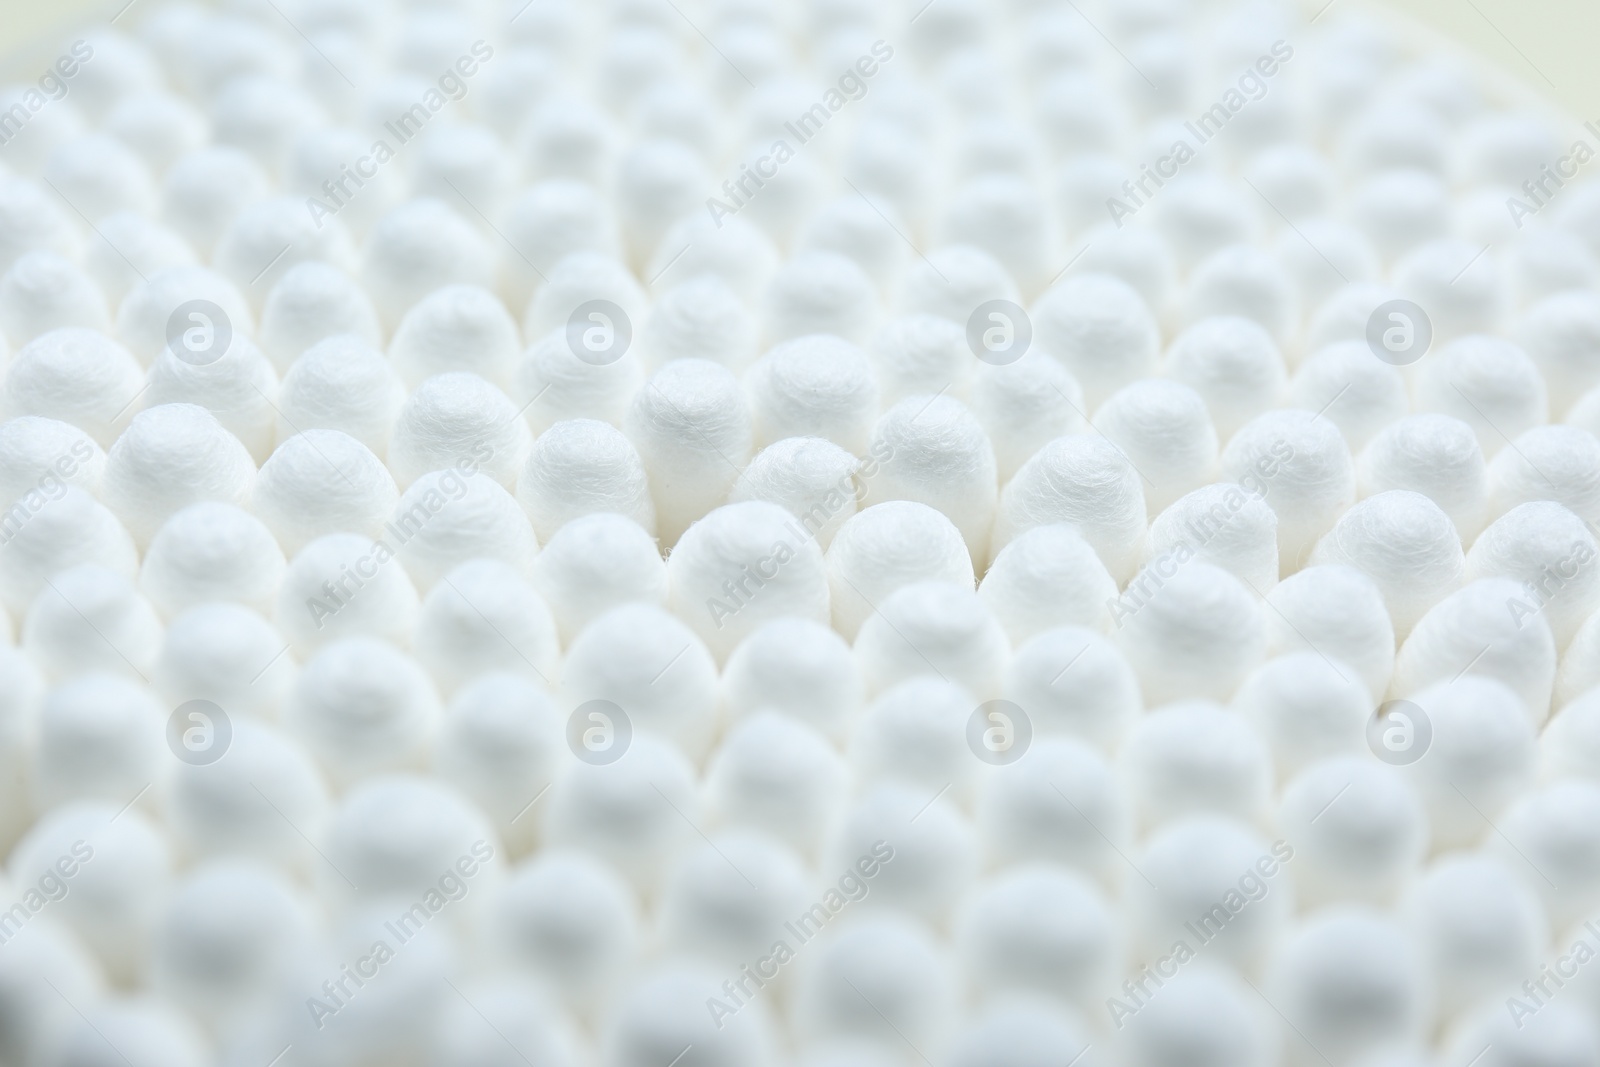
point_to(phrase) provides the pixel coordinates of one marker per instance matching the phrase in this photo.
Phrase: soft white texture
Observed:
(693, 431)
(1084, 480)
(741, 565)
(594, 563)
(1175, 542)
(884, 547)
(933, 451)
(169, 457)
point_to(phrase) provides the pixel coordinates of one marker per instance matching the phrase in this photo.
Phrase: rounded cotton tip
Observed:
(123, 872)
(1025, 405)
(226, 654)
(630, 811)
(44, 291)
(955, 280)
(1060, 803)
(1084, 480)
(98, 174)
(456, 328)
(773, 772)
(1365, 844)
(692, 429)
(565, 916)
(1488, 383)
(484, 616)
(157, 316)
(1468, 746)
(91, 618)
(232, 930)
(341, 383)
(1478, 928)
(701, 911)
(500, 742)
(1165, 431)
(1248, 282)
(1559, 463)
(594, 563)
(454, 515)
(395, 834)
(922, 355)
(740, 566)
(211, 551)
(457, 419)
(321, 482)
(1068, 946)
(1360, 394)
(1305, 707)
(815, 480)
(39, 457)
(416, 249)
(169, 457)
(311, 302)
(1340, 958)
(1207, 1016)
(1193, 864)
(215, 809)
(1302, 467)
(1048, 577)
(854, 227)
(360, 707)
(1548, 548)
(813, 386)
(942, 624)
(733, 249)
(652, 668)
(1196, 631)
(1437, 456)
(796, 666)
(664, 1009)
(1223, 524)
(76, 376)
(702, 318)
(1100, 329)
(932, 450)
(343, 585)
(56, 533)
(884, 547)
(895, 963)
(205, 189)
(1558, 333)
(99, 739)
(820, 292)
(263, 230)
(1563, 1034)
(1235, 366)
(1462, 290)
(155, 1029)
(546, 223)
(1072, 681)
(560, 377)
(580, 467)
(1406, 544)
(1487, 627)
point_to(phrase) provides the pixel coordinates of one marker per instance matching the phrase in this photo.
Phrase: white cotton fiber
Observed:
(794, 532)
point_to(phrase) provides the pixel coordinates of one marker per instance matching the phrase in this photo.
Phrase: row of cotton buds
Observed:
(673, 534)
